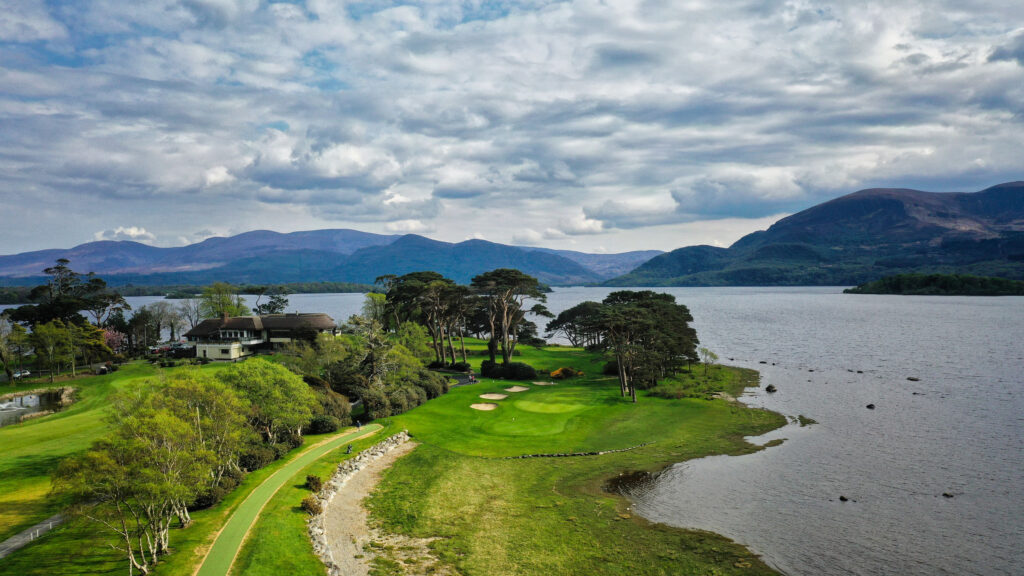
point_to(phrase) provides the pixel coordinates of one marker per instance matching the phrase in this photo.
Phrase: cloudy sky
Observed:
(592, 125)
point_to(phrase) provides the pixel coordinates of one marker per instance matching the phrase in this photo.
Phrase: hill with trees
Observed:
(861, 237)
(941, 285)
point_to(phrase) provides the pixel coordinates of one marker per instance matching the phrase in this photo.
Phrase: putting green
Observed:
(229, 540)
(548, 407)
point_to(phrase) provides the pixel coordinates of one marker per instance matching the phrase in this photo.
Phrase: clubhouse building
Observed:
(231, 338)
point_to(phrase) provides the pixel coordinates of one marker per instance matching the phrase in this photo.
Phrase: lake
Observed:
(958, 429)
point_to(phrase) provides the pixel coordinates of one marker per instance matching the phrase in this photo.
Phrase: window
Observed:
(225, 350)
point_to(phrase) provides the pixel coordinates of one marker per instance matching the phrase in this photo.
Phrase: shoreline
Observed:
(538, 496)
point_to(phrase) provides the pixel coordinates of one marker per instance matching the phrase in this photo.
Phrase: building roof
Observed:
(211, 326)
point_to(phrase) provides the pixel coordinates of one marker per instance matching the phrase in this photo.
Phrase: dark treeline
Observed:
(647, 334)
(941, 285)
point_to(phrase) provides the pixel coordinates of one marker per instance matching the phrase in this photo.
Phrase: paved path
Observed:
(22, 538)
(229, 540)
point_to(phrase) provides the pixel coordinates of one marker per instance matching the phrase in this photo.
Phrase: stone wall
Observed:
(345, 470)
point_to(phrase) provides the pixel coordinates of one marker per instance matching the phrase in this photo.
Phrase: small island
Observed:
(941, 285)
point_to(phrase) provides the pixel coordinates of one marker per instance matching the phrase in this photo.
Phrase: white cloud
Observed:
(577, 120)
(527, 237)
(133, 233)
(409, 227)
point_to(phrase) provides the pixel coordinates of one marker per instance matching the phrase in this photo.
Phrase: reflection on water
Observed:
(12, 411)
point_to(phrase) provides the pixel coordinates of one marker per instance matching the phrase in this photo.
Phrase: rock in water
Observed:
(843, 499)
(771, 388)
(870, 406)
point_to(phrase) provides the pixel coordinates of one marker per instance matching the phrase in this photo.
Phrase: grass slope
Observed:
(551, 515)
(31, 451)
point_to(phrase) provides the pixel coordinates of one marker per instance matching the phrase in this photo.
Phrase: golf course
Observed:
(491, 514)
(483, 509)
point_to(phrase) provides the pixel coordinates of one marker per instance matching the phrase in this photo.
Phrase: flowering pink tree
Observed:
(114, 340)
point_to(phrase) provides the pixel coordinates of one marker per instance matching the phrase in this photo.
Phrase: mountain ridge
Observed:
(341, 255)
(860, 237)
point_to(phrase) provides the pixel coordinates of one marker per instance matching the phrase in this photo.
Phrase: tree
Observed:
(215, 412)
(65, 294)
(105, 303)
(375, 307)
(648, 334)
(190, 310)
(13, 338)
(52, 344)
(277, 303)
(577, 324)
(88, 342)
(280, 402)
(504, 292)
(220, 299)
(141, 477)
(707, 358)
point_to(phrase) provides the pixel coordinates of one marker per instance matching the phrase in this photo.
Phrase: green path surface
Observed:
(222, 554)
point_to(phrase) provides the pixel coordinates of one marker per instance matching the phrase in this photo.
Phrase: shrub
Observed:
(461, 366)
(256, 457)
(377, 404)
(280, 449)
(519, 371)
(611, 368)
(311, 504)
(490, 369)
(511, 371)
(323, 423)
(432, 383)
(436, 365)
(314, 482)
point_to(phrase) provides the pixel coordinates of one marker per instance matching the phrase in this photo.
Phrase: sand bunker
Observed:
(545, 383)
(494, 396)
(517, 389)
(487, 406)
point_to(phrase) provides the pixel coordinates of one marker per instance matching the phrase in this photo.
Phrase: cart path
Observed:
(229, 540)
(21, 539)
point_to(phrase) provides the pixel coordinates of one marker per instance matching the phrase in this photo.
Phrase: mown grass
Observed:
(551, 515)
(29, 452)
(278, 543)
(83, 547)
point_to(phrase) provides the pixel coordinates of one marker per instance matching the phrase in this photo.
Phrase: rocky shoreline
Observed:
(342, 474)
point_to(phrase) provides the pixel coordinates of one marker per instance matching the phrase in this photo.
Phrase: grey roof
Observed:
(316, 321)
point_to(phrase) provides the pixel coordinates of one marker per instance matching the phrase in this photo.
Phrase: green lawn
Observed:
(228, 542)
(551, 516)
(29, 452)
(278, 543)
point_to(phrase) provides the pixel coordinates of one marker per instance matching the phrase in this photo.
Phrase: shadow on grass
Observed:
(31, 466)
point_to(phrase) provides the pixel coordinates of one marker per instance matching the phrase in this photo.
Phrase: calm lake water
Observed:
(958, 430)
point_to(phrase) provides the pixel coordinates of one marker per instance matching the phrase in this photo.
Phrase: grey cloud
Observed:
(553, 106)
(1011, 51)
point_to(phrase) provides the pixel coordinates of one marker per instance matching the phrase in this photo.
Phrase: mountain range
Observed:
(858, 238)
(267, 257)
(853, 239)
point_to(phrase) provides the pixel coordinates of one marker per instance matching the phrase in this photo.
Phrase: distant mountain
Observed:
(606, 265)
(262, 256)
(861, 237)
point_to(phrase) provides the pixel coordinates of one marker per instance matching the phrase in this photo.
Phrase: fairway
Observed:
(498, 516)
(229, 541)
